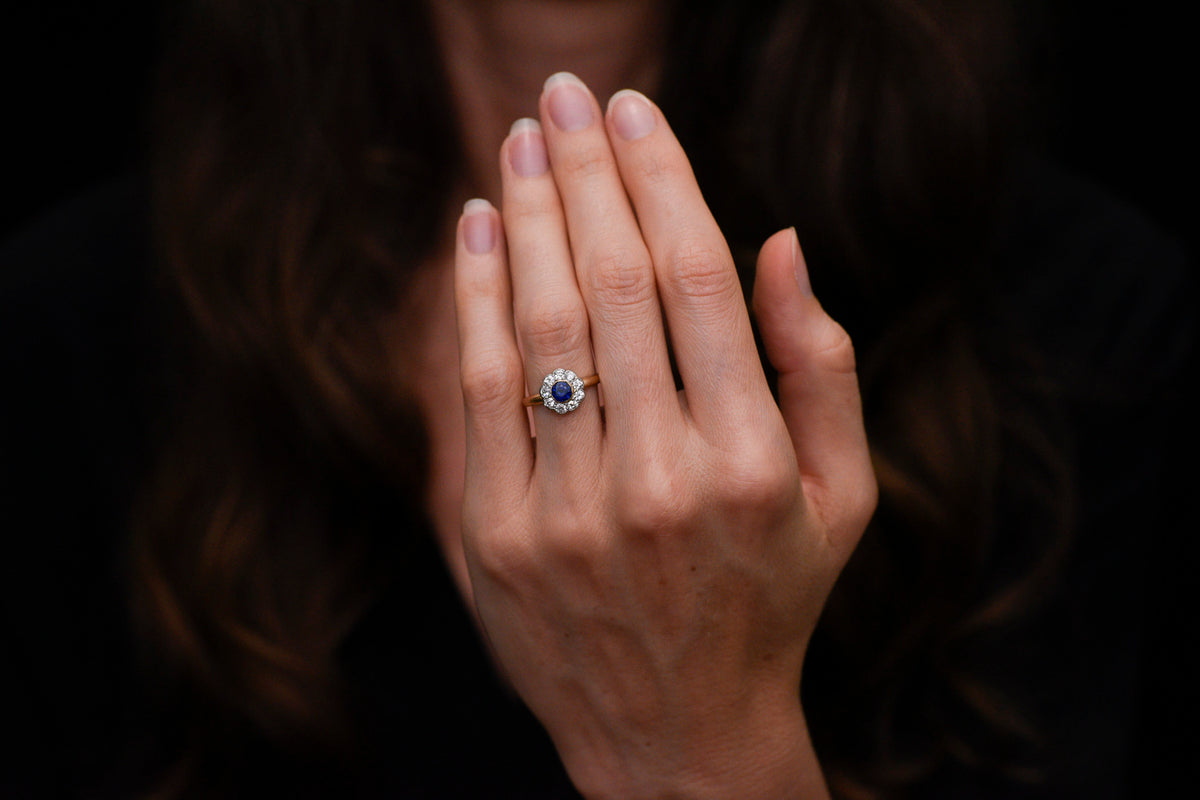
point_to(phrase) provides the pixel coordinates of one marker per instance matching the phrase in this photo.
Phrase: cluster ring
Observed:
(562, 391)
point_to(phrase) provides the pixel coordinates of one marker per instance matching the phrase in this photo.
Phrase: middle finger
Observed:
(612, 264)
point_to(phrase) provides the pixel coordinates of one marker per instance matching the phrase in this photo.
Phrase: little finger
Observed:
(499, 453)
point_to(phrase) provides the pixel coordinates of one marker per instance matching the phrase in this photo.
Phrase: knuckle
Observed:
(530, 207)
(654, 501)
(587, 161)
(833, 348)
(753, 480)
(504, 559)
(701, 271)
(622, 279)
(554, 327)
(478, 285)
(479, 278)
(571, 547)
(491, 380)
(495, 544)
(655, 168)
(850, 512)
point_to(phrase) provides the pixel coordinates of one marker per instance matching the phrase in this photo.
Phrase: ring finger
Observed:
(551, 318)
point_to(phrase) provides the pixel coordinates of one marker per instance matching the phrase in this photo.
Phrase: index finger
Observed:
(697, 281)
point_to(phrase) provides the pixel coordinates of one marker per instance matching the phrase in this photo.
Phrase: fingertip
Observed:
(778, 246)
(477, 205)
(788, 314)
(524, 149)
(632, 115)
(479, 226)
(781, 253)
(800, 265)
(480, 257)
(775, 270)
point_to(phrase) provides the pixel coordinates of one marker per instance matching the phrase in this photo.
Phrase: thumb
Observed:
(818, 388)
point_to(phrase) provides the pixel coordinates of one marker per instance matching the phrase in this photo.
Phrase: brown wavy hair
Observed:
(294, 202)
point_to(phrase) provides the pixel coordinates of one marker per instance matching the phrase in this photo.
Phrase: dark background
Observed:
(1114, 80)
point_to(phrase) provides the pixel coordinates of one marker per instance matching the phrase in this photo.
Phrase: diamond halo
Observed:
(572, 380)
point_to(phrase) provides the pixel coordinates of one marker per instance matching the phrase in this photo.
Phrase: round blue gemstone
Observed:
(561, 391)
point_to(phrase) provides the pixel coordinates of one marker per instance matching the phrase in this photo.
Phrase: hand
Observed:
(649, 579)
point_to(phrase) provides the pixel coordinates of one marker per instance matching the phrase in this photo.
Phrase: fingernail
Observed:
(478, 227)
(798, 265)
(527, 148)
(632, 114)
(568, 101)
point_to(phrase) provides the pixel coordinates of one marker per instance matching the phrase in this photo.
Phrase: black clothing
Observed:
(1103, 293)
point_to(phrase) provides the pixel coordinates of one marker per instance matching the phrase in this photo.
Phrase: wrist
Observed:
(771, 758)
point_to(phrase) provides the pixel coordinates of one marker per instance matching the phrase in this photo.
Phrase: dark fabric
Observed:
(1105, 296)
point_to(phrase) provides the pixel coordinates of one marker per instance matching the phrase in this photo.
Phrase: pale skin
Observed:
(497, 55)
(648, 580)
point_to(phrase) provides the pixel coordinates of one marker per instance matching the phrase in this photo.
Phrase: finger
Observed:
(818, 389)
(499, 453)
(612, 265)
(701, 295)
(551, 319)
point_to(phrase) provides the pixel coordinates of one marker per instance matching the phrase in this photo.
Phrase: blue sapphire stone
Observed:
(561, 391)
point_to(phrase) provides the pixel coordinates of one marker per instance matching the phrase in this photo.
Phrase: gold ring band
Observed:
(536, 399)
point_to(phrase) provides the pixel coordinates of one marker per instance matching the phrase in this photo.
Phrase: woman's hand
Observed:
(649, 578)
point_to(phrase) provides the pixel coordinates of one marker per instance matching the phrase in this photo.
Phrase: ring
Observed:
(562, 391)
